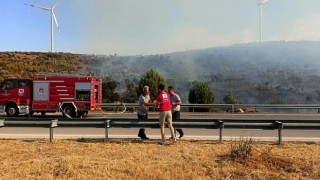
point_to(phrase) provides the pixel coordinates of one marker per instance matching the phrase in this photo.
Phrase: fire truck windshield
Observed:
(8, 84)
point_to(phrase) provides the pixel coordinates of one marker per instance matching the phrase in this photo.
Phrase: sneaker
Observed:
(173, 139)
(162, 142)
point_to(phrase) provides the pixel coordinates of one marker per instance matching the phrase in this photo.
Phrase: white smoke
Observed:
(306, 29)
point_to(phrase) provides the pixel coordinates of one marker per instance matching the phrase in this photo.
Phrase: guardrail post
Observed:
(2, 122)
(280, 127)
(221, 126)
(54, 123)
(107, 125)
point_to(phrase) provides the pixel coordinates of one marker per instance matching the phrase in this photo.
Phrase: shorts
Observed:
(165, 116)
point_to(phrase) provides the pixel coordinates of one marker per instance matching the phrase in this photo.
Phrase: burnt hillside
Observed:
(269, 72)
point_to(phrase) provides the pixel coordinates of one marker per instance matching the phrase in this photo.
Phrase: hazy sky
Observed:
(134, 27)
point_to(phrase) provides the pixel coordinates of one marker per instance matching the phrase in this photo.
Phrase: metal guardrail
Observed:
(181, 123)
(232, 107)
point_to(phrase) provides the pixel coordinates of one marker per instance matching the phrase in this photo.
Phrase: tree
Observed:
(130, 95)
(201, 93)
(152, 79)
(108, 88)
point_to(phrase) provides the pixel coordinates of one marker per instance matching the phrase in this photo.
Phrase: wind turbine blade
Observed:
(39, 7)
(55, 4)
(264, 1)
(55, 19)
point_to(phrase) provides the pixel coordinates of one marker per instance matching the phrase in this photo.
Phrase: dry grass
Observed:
(134, 159)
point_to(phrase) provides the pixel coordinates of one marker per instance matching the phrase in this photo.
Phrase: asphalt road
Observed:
(205, 134)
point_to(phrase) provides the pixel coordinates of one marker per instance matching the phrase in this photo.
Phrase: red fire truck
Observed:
(70, 94)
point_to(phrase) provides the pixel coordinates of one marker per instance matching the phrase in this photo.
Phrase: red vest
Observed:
(164, 99)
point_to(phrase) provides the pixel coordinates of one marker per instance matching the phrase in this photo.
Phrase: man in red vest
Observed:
(163, 101)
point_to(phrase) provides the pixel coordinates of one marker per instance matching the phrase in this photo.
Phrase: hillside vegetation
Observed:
(28, 64)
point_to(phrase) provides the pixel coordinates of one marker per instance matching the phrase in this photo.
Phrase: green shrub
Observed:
(201, 93)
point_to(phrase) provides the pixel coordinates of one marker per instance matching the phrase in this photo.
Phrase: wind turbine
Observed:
(261, 2)
(53, 18)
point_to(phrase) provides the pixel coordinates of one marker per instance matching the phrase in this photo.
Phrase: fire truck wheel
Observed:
(69, 110)
(12, 110)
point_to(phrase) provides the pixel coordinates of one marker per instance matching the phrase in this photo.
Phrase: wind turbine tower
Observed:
(261, 2)
(53, 18)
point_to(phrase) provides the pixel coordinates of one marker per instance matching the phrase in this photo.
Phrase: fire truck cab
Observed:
(72, 95)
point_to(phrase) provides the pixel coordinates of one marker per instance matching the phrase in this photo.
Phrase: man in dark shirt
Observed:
(175, 102)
